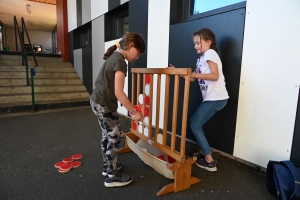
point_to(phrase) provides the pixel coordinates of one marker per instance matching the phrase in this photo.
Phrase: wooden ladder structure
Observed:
(183, 165)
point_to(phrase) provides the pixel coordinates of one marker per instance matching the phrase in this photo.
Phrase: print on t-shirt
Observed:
(203, 86)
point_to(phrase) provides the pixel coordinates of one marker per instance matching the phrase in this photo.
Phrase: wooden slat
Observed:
(143, 107)
(150, 106)
(133, 88)
(166, 110)
(133, 93)
(175, 112)
(157, 105)
(184, 114)
(138, 85)
(178, 71)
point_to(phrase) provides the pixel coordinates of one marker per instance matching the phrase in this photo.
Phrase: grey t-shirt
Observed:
(104, 92)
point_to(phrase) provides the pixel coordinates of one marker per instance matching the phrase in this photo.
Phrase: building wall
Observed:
(36, 37)
(269, 86)
(261, 120)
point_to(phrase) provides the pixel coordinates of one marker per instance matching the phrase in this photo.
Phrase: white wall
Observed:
(78, 62)
(98, 46)
(36, 37)
(123, 1)
(98, 8)
(86, 11)
(72, 15)
(121, 109)
(269, 82)
(158, 46)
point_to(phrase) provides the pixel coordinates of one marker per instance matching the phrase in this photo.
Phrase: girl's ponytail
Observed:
(214, 46)
(109, 51)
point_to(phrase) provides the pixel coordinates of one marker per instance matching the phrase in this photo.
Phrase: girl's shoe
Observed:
(202, 163)
(117, 180)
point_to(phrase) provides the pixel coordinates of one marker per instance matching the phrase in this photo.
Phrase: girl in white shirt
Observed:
(212, 85)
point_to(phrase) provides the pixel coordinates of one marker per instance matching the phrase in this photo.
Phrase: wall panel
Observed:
(228, 28)
(98, 8)
(78, 62)
(87, 68)
(72, 15)
(269, 84)
(98, 46)
(86, 11)
(158, 36)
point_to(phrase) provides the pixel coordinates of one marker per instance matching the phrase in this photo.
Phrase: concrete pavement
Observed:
(31, 143)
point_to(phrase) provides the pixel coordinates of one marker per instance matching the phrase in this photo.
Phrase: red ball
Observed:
(147, 100)
(138, 108)
(134, 125)
(147, 78)
(170, 159)
(146, 111)
(162, 157)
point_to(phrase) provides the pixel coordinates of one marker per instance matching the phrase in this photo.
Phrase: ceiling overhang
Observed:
(52, 2)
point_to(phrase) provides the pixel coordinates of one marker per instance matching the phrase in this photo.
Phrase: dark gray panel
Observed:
(229, 29)
(79, 12)
(71, 48)
(138, 22)
(295, 155)
(113, 4)
(87, 68)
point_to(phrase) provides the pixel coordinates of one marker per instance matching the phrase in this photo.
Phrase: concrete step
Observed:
(45, 105)
(56, 85)
(38, 69)
(40, 81)
(38, 58)
(32, 63)
(41, 89)
(43, 97)
(39, 75)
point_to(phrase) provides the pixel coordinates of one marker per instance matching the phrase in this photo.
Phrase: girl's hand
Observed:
(137, 116)
(172, 66)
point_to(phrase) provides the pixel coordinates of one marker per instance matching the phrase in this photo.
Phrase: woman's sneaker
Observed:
(104, 172)
(117, 180)
(202, 163)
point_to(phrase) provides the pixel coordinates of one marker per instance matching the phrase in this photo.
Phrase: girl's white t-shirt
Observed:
(211, 90)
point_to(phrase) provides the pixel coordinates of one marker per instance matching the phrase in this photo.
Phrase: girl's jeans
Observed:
(111, 136)
(204, 112)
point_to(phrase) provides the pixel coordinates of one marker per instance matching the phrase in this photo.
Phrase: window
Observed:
(201, 6)
(85, 38)
(82, 36)
(121, 25)
(117, 22)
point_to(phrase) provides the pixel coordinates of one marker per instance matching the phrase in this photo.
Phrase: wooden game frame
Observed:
(183, 165)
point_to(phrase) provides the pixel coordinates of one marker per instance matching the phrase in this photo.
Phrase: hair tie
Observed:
(118, 45)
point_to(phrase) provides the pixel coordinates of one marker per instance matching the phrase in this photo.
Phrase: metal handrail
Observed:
(17, 31)
(32, 52)
(24, 55)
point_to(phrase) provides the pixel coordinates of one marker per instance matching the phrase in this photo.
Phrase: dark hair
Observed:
(207, 34)
(128, 38)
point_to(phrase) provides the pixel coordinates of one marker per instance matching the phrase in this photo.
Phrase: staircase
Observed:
(56, 85)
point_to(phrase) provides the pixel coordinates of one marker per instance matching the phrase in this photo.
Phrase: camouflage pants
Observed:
(111, 136)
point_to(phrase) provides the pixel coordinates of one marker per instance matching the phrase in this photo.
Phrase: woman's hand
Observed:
(172, 66)
(137, 116)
